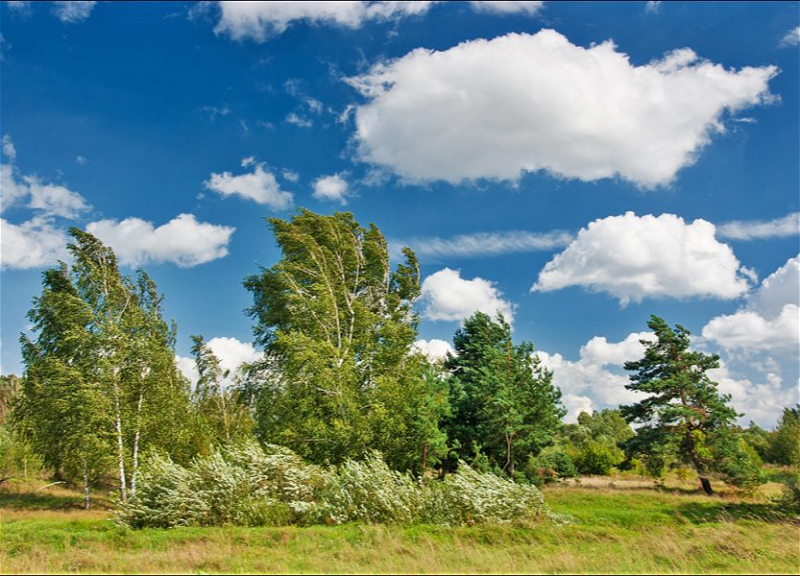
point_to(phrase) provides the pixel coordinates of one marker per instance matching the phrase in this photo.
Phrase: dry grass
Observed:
(618, 529)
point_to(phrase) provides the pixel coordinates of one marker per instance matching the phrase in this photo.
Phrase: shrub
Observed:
(247, 485)
(549, 466)
(595, 459)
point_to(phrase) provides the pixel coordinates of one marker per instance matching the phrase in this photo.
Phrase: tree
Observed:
(683, 411)
(219, 407)
(784, 443)
(100, 376)
(337, 326)
(504, 404)
(62, 411)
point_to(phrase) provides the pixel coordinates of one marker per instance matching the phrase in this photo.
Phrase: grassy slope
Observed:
(618, 529)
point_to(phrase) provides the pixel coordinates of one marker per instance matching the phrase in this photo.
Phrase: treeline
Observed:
(339, 379)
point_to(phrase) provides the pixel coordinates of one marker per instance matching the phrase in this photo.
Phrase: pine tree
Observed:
(683, 412)
(504, 404)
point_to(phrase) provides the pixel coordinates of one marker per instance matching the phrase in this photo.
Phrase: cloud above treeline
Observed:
(183, 240)
(519, 103)
(769, 321)
(446, 295)
(259, 185)
(634, 257)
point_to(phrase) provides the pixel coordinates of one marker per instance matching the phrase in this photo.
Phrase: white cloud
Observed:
(434, 349)
(599, 351)
(331, 188)
(46, 199)
(529, 8)
(778, 289)
(261, 20)
(81, 160)
(20, 7)
(783, 227)
(575, 405)
(258, 185)
(8, 148)
(73, 12)
(761, 402)
(487, 243)
(749, 330)
(32, 244)
(231, 354)
(54, 200)
(290, 175)
(297, 120)
(518, 103)
(792, 38)
(11, 190)
(447, 296)
(769, 321)
(588, 382)
(653, 7)
(632, 257)
(183, 240)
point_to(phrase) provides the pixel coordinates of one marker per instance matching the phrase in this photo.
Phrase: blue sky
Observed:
(577, 166)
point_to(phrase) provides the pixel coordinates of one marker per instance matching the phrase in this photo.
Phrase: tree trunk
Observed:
(706, 484)
(136, 444)
(85, 483)
(120, 447)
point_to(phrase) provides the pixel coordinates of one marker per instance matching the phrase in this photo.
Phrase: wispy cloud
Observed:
(786, 226)
(487, 243)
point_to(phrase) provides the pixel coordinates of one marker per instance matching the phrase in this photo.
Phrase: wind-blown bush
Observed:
(249, 485)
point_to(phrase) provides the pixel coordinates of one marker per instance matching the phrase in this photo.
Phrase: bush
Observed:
(595, 459)
(549, 466)
(247, 485)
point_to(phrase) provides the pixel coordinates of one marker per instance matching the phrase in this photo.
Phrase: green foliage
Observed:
(595, 459)
(784, 443)
(503, 400)
(100, 377)
(221, 415)
(551, 464)
(247, 485)
(339, 376)
(683, 414)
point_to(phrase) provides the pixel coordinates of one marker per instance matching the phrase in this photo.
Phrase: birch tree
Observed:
(338, 324)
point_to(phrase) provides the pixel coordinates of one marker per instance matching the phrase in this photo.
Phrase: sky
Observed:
(576, 167)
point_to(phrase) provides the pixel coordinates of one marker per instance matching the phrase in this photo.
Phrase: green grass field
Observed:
(619, 526)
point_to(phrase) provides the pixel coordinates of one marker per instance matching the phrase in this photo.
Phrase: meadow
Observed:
(619, 525)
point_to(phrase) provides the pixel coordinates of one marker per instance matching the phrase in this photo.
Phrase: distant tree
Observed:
(219, 406)
(684, 410)
(503, 401)
(337, 324)
(784, 443)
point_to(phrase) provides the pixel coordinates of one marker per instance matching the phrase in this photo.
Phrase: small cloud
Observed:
(331, 188)
(792, 38)
(258, 185)
(81, 160)
(653, 7)
(72, 12)
(447, 296)
(300, 121)
(290, 175)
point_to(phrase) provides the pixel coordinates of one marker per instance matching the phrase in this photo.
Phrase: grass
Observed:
(619, 527)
